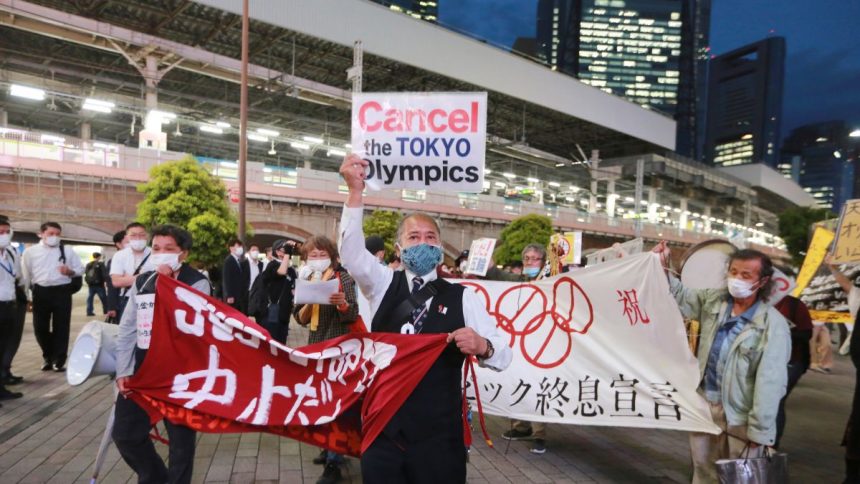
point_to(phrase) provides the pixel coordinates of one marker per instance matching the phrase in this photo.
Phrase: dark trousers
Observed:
(12, 336)
(433, 460)
(52, 314)
(8, 315)
(99, 291)
(131, 436)
(795, 371)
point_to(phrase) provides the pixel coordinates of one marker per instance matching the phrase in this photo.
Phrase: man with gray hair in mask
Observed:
(744, 347)
(423, 441)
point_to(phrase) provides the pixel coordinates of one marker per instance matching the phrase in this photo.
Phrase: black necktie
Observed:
(418, 314)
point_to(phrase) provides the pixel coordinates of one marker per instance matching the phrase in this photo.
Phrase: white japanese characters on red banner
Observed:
(421, 140)
(604, 345)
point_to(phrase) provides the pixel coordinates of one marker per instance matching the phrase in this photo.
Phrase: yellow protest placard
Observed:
(847, 245)
(821, 239)
(569, 246)
(830, 316)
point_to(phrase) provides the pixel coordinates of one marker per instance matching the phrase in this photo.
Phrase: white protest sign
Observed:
(144, 305)
(605, 345)
(421, 140)
(480, 256)
(617, 251)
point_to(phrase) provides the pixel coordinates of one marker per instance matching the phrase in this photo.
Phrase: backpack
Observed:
(94, 274)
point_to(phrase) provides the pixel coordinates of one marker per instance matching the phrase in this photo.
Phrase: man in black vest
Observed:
(423, 441)
(170, 246)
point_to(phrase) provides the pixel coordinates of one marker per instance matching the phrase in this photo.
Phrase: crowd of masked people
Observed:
(748, 348)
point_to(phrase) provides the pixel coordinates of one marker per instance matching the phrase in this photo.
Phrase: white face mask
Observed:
(254, 255)
(169, 259)
(5, 240)
(739, 288)
(319, 265)
(239, 251)
(137, 245)
(52, 241)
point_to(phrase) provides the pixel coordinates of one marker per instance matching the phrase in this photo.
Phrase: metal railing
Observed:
(109, 160)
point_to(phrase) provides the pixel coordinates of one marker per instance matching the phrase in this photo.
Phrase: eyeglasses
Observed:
(532, 259)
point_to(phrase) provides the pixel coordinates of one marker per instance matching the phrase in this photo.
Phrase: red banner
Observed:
(212, 369)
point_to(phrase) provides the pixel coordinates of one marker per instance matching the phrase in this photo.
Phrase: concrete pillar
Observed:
(150, 77)
(611, 197)
(682, 219)
(86, 131)
(652, 205)
(706, 216)
(307, 165)
(592, 197)
(4, 118)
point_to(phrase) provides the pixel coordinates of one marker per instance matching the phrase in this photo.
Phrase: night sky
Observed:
(822, 67)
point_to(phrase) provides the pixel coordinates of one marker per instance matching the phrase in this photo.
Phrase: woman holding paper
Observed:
(327, 321)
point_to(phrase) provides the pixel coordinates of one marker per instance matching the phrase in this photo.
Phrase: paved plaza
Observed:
(52, 435)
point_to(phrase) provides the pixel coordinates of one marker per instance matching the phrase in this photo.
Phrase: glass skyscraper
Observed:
(632, 49)
(745, 104)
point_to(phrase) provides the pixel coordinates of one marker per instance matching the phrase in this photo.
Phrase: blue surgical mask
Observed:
(422, 258)
(531, 272)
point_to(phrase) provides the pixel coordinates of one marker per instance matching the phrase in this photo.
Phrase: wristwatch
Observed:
(490, 350)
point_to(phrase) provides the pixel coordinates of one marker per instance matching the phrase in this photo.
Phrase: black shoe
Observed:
(320, 459)
(47, 366)
(539, 447)
(331, 475)
(515, 434)
(59, 368)
(7, 395)
(12, 380)
(93, 314)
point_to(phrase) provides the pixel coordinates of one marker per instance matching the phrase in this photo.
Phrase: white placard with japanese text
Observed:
(480, 256)
(605, 345)
(145, 307)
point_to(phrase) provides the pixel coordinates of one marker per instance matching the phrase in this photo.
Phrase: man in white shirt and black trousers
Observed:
(48, 268)
(423, 441)
(10, 276)
(129, 262)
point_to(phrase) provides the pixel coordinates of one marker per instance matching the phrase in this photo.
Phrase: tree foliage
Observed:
(384, 224)
(184, 194)
(795, 229)
(522, 231)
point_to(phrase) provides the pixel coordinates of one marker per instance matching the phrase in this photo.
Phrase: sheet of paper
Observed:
(315, 292)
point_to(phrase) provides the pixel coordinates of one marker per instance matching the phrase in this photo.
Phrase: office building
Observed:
(825, 157)
(745, 104)
(421, 9)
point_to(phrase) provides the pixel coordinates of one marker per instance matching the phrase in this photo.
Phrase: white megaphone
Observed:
(94, 352)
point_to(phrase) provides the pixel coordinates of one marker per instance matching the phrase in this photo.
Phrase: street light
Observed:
(312, 139)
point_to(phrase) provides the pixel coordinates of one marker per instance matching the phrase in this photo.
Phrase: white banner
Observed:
(421, 140)
(604, 345)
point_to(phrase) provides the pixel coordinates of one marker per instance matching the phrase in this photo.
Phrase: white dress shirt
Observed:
(41, 265)
(10, 273)
(126, 261)
(255, 270)
(374, 278)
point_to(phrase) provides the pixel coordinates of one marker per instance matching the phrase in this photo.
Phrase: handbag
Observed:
(77, 281)
(771, 468)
